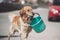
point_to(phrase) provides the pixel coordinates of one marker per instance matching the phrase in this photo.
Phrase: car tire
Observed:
(49, 19)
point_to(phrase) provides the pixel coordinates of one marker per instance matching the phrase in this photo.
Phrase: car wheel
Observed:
(49, 19)
(52, 19)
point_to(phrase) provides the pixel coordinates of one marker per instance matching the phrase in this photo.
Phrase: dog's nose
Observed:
(33, 13)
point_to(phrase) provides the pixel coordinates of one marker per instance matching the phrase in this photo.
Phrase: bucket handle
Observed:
(38, 21)
(37, 14)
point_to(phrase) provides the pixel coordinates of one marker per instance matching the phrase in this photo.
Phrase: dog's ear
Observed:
(22, 12)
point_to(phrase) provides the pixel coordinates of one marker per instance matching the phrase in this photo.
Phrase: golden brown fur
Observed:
(16, 24)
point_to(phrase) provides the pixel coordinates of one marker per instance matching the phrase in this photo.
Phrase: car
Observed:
(10, 5)
(54, 11)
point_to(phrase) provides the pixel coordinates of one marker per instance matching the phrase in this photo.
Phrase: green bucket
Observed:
(37, 24)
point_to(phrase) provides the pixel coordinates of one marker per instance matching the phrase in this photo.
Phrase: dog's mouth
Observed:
(30, 18)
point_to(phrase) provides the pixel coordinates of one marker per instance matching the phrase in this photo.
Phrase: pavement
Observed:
(52, 31)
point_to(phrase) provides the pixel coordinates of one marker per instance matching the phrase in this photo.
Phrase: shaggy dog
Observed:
(20, 23)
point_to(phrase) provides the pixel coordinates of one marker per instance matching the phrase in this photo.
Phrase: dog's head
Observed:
(27, 13)
(26, 10)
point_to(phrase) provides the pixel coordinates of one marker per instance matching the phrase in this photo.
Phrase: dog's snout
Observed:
(33, 13)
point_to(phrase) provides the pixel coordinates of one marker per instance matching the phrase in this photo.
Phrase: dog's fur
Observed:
(20, 23)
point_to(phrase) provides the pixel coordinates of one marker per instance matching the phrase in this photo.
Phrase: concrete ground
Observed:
(52, 31)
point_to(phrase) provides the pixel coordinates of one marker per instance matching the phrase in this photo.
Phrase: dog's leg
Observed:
(10, 32)
(29, 30)
(23, 36)
(24, 33)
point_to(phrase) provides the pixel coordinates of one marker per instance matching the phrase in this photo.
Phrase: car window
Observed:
(1, 1)
(56, 2)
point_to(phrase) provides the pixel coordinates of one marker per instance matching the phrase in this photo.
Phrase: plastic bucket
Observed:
(37, 24)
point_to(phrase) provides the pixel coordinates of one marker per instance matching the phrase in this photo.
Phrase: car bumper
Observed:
(57, 18)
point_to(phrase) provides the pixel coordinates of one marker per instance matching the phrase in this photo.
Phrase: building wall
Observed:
(51, 1)
(11, 1)
(1, 1)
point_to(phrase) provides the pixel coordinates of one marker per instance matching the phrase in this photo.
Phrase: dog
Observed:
(20, 23)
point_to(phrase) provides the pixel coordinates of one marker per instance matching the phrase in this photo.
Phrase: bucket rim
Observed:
(37, 22)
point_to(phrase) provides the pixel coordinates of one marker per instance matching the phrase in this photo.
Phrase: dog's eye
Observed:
(28, 10)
